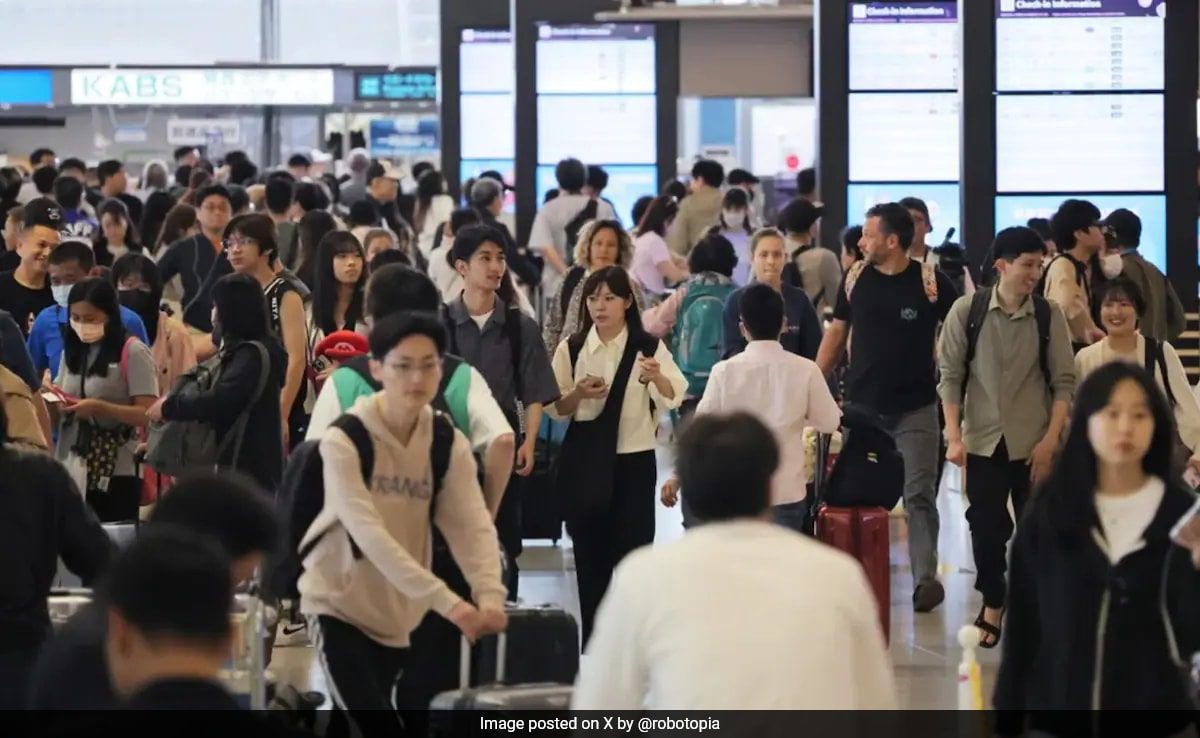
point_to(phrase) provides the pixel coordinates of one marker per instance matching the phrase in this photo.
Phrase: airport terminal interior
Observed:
(419, 367)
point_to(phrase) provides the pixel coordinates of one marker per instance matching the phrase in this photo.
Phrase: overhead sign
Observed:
(203, 131)
(411, 84)
(26, 87)
(202, 86)
(404, 135)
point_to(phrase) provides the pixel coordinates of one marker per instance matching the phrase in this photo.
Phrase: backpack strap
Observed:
(439, 454)
(980, 302)
(570, 282)
(1155, 357)
(929, 281)
(358, 434)
(451, 330)
(1041, 314)
(512, 331)
(852, 274)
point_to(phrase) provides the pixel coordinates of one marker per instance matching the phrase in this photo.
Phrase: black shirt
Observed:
(71, 671)
(199, 266)
(891, 347)
(9, 260)
(21, 302)
(182, 694)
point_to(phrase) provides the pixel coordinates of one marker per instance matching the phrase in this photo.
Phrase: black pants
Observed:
(361, 673)
(16, 671)
(508, 530)
(990, 481)
(604, 537)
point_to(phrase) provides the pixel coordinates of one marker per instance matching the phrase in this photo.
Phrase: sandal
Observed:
(991, 633)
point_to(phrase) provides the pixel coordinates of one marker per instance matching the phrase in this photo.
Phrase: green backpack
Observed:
(698, 335)
(353, 380)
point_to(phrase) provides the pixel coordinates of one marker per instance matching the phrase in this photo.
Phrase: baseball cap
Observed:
(341, 345)
(1125, 226)
(493, 174)
(740, 177)
(43, 211)
(799, 215)
(382, 169)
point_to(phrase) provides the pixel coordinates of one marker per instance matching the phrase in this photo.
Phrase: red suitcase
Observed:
(862, 532)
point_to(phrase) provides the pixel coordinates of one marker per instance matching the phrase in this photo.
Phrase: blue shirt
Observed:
(46, 341)
(802, 330)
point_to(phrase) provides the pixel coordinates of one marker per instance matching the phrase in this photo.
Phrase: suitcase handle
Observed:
(464, 660)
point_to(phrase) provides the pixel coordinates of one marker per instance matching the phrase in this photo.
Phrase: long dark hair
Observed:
(309, 232)
(1067, 501)
(429, 186)
(658, 215)
(103, 296)
(325, 291)
(133, 238)
(158, 205)
(144, 267)
(620, 285)
(179, 220)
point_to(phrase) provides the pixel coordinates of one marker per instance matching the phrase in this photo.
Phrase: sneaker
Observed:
(927, 596)
(292, 634)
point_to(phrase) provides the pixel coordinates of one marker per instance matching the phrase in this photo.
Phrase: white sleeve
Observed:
(823, 412)
(561, 366)
(1187, 409)
(612, 674)
(485, 419)
(671, 371)
(540, 237)
(327, 409)
(710, 402)
(875, 684)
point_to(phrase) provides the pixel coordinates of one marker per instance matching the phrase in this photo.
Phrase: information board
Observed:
(606, 58)
(942, 199)
(904, 137)
(414, 84)
(487, 103)
(904, 46)
(1080, 45)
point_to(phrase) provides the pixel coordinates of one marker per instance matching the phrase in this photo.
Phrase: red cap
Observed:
(341, 345)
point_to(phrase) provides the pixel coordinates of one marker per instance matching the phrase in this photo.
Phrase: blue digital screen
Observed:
(942, 200)
(626, 183)
(26, 87)
(404, 136)
(1014, 210)
(414, 84)
(471, 168)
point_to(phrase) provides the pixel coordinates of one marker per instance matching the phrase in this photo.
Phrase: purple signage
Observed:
(1081, 8)
(596, 32)
(928, 11)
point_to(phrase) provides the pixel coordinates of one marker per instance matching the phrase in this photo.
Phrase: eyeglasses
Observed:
(237, 243)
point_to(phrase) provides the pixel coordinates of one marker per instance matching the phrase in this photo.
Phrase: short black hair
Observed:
(1072, 216)
(299, 160)
(1011, 243)
(1125, 227)
(72, 162)
(1041, 226)
(420, 168)
(241, 308)
(174, 583)
(279, 195)
(710, 171)
(725, 464)
(396, 289)
(210, 190)
(597, 178)
(806, 181)
(183, 151)
(258, 227)
(468, 240)
(69, 251)
(571, 175)
(362, 213)
(108, 168)
(640, 207)
(68, 191)
(239, 199)
(675, 189)
(894, 220)
(309, 196)
(38, 154)
(242, 170)
(740, 177)
(225, 506)
(386, 257)
(851, 235)
(43, 179)
(386, 334)
(713, 253)
(916, 203)
(183, 174)
(1123, 287)
(761, 311)
(10, 184)
(463, 217)
(800, 215)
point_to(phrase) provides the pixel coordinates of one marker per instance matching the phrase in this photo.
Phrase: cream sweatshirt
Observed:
(387, 592)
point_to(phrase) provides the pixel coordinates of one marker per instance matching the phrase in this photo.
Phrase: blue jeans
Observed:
(791, 515)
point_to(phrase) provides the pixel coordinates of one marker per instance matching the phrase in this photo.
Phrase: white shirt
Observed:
(638, 428)
(440, 208)
(787, 393)
(1124, 519)
(740, 615)
(550, 225)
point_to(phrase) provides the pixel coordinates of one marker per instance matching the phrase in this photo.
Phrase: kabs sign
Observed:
(201, 86)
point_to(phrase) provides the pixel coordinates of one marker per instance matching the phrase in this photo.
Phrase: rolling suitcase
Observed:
(541, 511)
(540, 645)
(862, 532)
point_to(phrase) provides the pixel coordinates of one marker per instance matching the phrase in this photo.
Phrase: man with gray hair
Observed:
(487, 199)
(355, 189)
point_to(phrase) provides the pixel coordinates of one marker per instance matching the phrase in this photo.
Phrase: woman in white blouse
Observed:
(1121, 306)
(615, 379)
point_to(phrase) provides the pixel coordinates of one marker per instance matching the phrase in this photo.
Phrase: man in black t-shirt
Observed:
(895, 305)
(25, 291)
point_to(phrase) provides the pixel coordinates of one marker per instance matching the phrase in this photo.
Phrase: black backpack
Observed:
(576, 224)
(978, 312)
(301, 495)
(1081, 271)
(1154, 356)
(869, 471)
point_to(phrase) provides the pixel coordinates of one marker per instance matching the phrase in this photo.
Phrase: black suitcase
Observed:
(541, 645)
(541, 509)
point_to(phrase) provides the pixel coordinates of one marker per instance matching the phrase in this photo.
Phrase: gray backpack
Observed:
(176, 446)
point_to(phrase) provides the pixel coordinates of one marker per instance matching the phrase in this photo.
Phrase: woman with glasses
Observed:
(251, 249)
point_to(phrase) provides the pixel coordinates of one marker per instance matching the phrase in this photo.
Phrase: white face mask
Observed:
(61, 292)
(1111, 265)
(88, 332)
(733, 218)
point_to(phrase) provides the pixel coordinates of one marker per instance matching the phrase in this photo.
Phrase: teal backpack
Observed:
(698, 335)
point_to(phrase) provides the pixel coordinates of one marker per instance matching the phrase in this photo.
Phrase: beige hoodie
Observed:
(387, 591)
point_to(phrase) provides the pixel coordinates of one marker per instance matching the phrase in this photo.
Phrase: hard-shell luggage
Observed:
(541, 509)
(862, 532)
(541, 644)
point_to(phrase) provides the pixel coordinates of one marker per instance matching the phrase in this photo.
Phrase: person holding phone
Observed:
(1103, 605)
(614, 379)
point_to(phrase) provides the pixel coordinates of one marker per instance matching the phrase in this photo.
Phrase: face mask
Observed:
(1111, 265)
(733, 218)
(88, 332)
(138, 301)
(61, 292)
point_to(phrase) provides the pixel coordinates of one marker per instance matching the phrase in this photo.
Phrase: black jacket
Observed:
(42, 517)
(199, 267)
(1071, 613)
(261, 454)
(71, 671)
